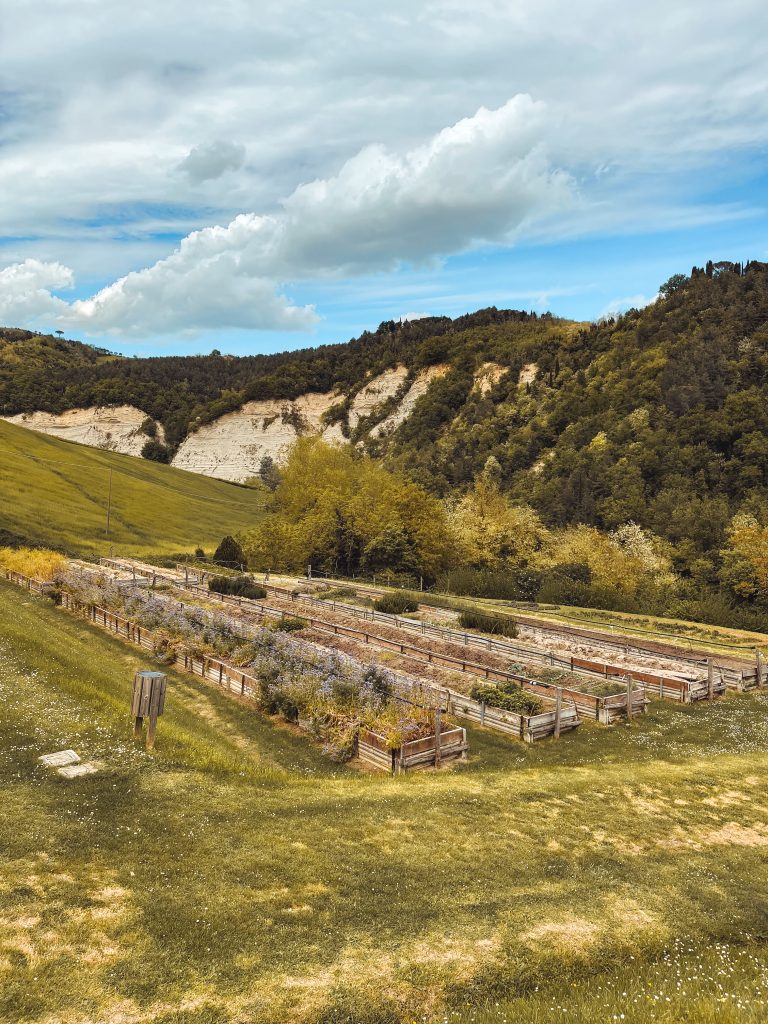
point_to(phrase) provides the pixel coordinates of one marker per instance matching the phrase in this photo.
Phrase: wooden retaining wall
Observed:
(528, 728)
(36, 586)
(415, 754)
(606, 714)
(525, 727)
(372, 749)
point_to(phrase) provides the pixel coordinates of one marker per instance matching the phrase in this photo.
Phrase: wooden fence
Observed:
(422, 753)
(226, 676)
(604, 709)
(36, 586)
(736, 677)
(526, 727)
(467, 639)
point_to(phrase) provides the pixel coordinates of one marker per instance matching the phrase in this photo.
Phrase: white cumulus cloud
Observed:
(477, 181)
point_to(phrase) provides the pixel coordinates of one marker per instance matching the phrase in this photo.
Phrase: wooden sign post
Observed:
(148, 702)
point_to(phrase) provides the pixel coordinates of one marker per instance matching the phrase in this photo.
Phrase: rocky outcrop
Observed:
(419, 388)
(233, 446)
(116, 428)
(377, 391)
(488, 376)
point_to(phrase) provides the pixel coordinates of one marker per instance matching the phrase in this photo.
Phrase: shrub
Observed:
(290, 624)
(230, 554)
(237, 586)
(488, 622)
(508, 697)
(519, 583)
(156, 451)
(338, 594)
(39, 563)
(397, 603)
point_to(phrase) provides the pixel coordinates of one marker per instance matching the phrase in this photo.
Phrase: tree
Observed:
(269, 474)
(155, 451)
(672, 285)
(490, 531)
(331, 505)
(230, 554)
(391, 549)
(745, 560)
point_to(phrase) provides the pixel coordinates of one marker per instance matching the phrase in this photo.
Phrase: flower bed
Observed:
(333, 697)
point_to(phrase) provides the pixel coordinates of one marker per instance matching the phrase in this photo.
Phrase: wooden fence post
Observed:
(759, 664)
(710, 679)
(558, 710)
(438, 736)
(629, 697)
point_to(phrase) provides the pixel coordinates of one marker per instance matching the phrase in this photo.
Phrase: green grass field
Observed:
(235, 875)
(55, 493)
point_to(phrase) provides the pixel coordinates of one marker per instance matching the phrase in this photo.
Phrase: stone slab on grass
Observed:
(76, 771)
(59, 759)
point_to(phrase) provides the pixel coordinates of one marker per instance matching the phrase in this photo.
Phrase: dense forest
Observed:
(657, 419)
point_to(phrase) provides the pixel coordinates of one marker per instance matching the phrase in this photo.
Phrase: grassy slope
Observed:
(237, 876)
(55, 492)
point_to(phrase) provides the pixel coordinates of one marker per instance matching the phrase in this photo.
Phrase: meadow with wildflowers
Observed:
(236, 874)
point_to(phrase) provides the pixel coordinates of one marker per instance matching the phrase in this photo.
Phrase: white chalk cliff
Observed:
(233, 446)
(116, 428)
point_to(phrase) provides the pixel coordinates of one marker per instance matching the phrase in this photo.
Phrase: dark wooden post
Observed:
(558, 710)
(759, 665)
(710, 679)
(148, 702)
(438, 736)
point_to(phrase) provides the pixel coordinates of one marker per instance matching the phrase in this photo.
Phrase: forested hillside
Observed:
(657, 419)
(41, 372)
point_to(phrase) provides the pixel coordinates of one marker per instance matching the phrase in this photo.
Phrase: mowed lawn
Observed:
(235, 875)
(55, 493)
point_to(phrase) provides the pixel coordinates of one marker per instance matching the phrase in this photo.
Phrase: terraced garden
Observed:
(236, 874)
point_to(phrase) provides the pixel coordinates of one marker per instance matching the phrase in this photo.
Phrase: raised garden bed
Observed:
(527, 727)
(426, 752)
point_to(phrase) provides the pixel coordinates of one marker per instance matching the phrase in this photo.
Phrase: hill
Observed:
(659, 417)
(41, 372)
(56, 493)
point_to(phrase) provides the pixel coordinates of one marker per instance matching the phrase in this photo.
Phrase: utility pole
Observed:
(109, 500)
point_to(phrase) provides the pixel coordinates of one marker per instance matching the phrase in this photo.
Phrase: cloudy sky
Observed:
(255, 176)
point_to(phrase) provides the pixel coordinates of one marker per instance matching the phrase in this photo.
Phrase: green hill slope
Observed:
(56, 493)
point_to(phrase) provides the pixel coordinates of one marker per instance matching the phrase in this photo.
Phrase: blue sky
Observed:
(268, 177)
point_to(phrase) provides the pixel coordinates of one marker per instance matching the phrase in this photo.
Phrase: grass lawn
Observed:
(235, 875)
(55, 492)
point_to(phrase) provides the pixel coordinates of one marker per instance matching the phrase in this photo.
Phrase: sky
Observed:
(259, 176)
